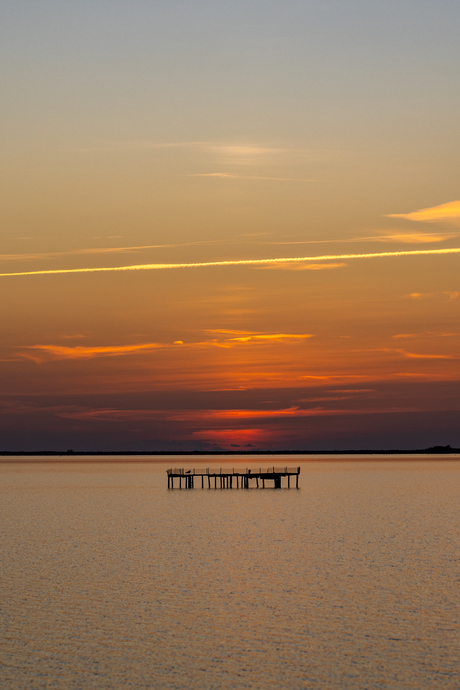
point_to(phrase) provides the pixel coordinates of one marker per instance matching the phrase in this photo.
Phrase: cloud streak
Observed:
(237, 262)
(251, 177)
(101, 250)
(400, 237)
(415, 355)
(449, 212)
(272, 337)
(451, 295)
(40, 353)
(82, 352)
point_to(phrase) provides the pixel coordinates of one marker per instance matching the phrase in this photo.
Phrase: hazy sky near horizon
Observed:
(298, 160)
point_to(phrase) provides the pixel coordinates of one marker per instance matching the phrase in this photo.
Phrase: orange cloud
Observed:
(39, 353)
(81, 352)
(272, 337)
(414, 355)
(449, 213)
(415, 237)
(228, 331)
(427, 295)
(427, 334)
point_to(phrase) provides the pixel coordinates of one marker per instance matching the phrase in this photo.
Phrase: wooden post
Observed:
(289, 481)
(263, 483)
(257, 480)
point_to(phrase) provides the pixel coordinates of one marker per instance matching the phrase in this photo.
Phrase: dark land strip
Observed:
(149, 456)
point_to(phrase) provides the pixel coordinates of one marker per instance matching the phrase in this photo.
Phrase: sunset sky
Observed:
(230, 224)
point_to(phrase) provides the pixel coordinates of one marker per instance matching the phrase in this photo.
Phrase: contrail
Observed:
(238, 262)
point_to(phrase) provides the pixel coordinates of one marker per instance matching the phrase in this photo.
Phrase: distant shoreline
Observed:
(113, 456)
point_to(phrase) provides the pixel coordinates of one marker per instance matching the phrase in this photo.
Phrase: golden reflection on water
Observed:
(109, 580)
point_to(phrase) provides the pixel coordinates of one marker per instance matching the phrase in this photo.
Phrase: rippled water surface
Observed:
(109, 580)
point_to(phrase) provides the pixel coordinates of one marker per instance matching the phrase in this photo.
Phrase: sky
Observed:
(229, 225)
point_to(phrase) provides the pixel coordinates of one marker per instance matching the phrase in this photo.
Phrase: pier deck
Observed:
(240, 479)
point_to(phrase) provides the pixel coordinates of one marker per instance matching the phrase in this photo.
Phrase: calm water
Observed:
(109, 580)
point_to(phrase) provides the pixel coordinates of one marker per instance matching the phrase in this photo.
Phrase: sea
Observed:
(110, 580)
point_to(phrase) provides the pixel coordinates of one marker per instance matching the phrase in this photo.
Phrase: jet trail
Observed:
(238, 262)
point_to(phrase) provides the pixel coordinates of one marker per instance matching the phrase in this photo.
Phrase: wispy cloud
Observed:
(415, 237)
(246, 336)
(41, 353)
(233, 153)
(271, 337)
(227, 331)
(218, 416)
(449, 213)
(251, 177)
(427, 334)
(415, 355)
(398, 236)
(101, 250)
(82, 352)
(430, 295)
(238, 262)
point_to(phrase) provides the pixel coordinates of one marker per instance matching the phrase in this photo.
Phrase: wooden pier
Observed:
(241, 479)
